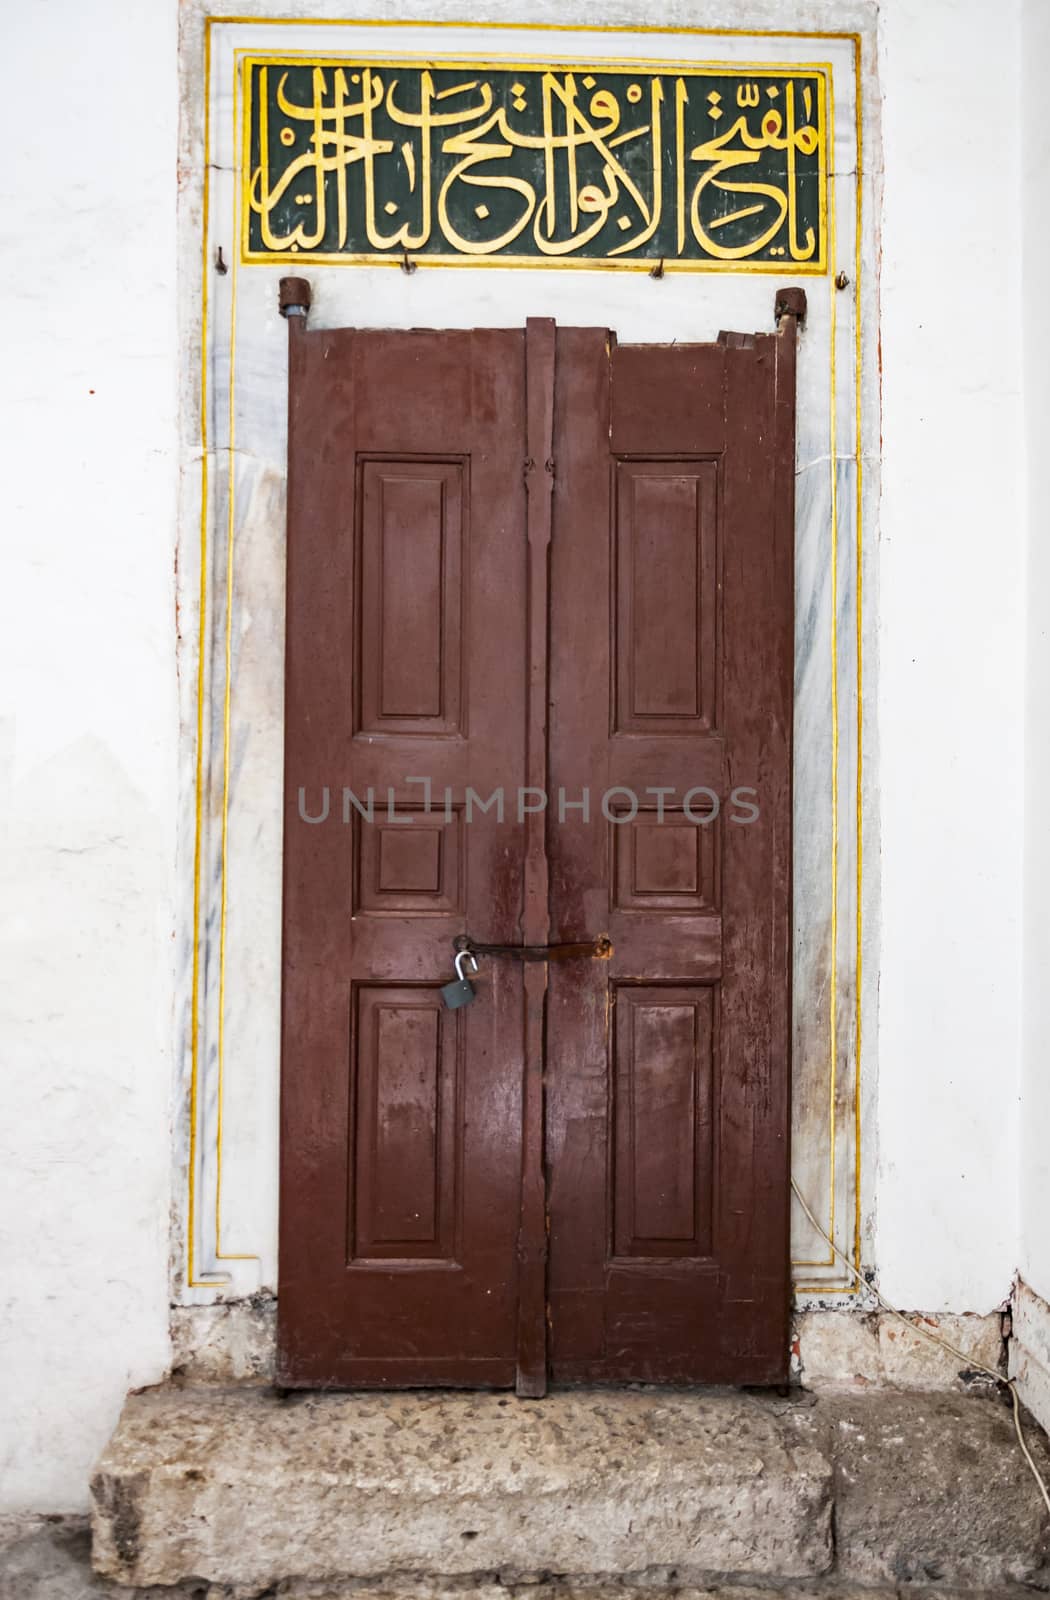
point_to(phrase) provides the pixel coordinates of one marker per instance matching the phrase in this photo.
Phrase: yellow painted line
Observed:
(191, 1210)
(220, 1255)
(858, 604)
(855, 39)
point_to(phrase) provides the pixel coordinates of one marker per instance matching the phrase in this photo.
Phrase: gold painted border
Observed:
(191, 1206)
(212, 1280)
(532, 27)
(834, 608)
(821, 70)
(852, 1289)
(859, 623)
(220, 1254)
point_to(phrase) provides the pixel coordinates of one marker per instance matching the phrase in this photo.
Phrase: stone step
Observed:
(656, 1487)
(48, 1558)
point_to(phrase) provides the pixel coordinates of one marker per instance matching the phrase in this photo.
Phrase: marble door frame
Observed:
(231, 575)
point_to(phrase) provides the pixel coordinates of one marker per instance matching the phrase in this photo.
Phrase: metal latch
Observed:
(599, 949)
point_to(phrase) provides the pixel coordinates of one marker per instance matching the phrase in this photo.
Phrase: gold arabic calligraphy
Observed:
(354, 160)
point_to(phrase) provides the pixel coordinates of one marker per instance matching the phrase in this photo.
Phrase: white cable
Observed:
(934, 1338)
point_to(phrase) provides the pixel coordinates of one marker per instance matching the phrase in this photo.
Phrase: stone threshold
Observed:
(420, 1493)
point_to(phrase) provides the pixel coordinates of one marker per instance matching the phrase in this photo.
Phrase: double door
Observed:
(538, 694)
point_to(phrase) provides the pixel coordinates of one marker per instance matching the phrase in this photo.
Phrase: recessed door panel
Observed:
(410, 534)
(663, 1054)
(666, 596)
(405, 1125)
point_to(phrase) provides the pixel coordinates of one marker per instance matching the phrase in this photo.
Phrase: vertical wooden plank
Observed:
(539, 484)
(315, 982)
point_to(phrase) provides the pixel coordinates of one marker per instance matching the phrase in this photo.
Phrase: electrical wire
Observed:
(934, 1338)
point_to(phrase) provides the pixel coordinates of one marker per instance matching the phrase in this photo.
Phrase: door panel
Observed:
(662, 1147)
(410, 555)
(665, 561)
(405, 1144)
(536, 558)
(671, 671)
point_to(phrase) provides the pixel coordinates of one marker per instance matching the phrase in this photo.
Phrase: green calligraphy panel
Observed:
(610, 165)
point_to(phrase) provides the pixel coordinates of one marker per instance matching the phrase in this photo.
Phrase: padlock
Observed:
(461, 991)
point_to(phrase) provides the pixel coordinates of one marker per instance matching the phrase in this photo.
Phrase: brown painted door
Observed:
(536, 558)
(401, 1120)
(672, 577)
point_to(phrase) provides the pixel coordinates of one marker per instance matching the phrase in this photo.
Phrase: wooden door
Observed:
(537, 559)
(672, 575)
(401, 1120)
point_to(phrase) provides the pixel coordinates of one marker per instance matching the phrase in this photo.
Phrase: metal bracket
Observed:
(294, 297)
(790, 303)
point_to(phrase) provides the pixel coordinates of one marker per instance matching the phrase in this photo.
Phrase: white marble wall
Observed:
(236, 911)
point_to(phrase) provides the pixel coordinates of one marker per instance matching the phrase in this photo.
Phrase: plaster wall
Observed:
(1035, 1086)
(87, 648)
(1030, 1353)
(951, 654)
(89, 728)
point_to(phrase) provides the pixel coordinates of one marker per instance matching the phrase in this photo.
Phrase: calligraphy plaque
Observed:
(355, 160)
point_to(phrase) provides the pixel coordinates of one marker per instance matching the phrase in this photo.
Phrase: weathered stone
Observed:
(1030, 1351)
(238, 1487)
(933, 1489)
(608, 1589)
(233, 1341)
(856, 1349)
(47, 1558)
(484, 1493)
(838, 1349)
(912, 1361)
